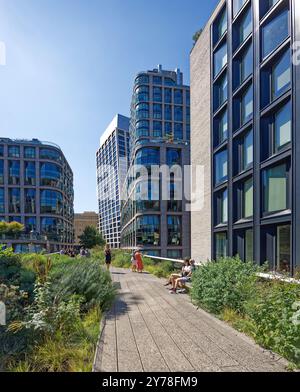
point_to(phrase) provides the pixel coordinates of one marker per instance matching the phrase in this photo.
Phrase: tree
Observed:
(197, 35)
(91, 238)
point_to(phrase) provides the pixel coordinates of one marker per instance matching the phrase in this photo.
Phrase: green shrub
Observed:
(228, 283)
(121, 259)
(85, 278)
(275, 313)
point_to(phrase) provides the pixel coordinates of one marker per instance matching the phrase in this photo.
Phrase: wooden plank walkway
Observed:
(150, 330)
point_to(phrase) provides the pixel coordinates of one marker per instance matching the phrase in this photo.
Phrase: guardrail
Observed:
(267, 276)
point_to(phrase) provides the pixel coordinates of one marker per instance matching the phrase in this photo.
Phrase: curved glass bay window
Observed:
(147, 156)
(142, 128)
(14, 172)
(30, 177)
(148, 230)
(142, 111)
(13, 151)
(51, 175)
(51, 202)
(52, 228)
(142, 79)
(147, 196)
(14, 200)
(30, 201)
(53, 155)
(275, 32)
(174, 230)
(142, 94)
(29, 152)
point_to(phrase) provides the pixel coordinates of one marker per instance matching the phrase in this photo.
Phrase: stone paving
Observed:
(150, 330)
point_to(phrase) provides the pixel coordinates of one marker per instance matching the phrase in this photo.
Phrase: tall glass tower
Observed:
(112, 164)
(159, 135)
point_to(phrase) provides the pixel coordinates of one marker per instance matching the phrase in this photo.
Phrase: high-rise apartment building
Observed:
(112, 165)
(36, 190)
(159, 135)
(245, 93)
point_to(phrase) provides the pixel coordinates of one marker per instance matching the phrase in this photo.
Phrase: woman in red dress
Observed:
(139, 261)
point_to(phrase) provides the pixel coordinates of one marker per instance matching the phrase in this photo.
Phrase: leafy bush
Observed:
(121, 259)
(84, 278)
(276, 315)
(228, 283)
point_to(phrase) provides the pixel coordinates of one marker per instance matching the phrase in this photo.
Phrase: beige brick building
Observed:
(201, 139)
(81, 221)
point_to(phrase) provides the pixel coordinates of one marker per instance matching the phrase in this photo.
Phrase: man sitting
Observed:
(181, 282)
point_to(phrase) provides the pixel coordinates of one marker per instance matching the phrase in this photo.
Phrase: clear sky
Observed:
(71, 65)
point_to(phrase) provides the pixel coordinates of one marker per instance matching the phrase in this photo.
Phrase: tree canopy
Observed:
(91, 238)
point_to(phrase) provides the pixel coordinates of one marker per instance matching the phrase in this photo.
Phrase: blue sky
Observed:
(71, 65)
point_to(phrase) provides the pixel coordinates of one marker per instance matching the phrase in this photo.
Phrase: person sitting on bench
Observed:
(184, 271)
(181, 282)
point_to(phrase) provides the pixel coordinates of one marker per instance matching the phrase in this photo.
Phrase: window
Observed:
(221, 25)
(178, 113)
(1, 151)
(157, 80)
(51, 202)
(237, 5)
(284, 249)
(173, 157)
(247, 106)
(221, 92)
(283, 127)
(51, 175)
(248, 199)
(221, 245)
(2, 201)
(178, 131)
(52, 227)
(281, 76)
(168, 95)
(142, 128)
(30, 224)
(147, 156)
(247, 151)
(157, 111)
(168, 113)
(169, 82)
(175, 202)
(221, 165)
(13, 152)
(168, 129)
(14, 172)
(148, 230)
(157, 94)
(142, 94)
(246, 64)
(142, 111)
(245, 27)
(174, 254)
(30, 173)
(220, 59)
(188, 98)
(249, 246)
(142, 79)
(178, 97)
(222, 128)
(30, 201)
(174, 230)
(275, 188)
(14, 201)
(222, 207)
(275, 32)
(157, 128)
(47, 153)
(29, 152)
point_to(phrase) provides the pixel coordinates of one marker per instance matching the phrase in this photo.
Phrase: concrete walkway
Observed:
(149, 329)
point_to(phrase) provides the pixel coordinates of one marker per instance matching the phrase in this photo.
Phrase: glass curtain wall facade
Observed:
(112, 165)
(36, 190)
(255, 156)
(159, 135)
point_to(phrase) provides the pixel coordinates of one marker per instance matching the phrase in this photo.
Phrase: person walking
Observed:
(107, 252)
(139, 261)
(133, 262)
